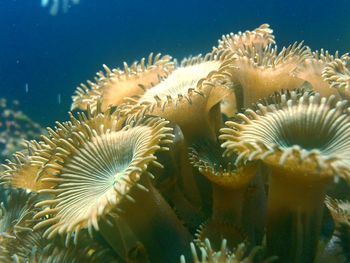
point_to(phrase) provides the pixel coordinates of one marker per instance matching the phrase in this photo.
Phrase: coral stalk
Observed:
(294, 217)
(152, 228)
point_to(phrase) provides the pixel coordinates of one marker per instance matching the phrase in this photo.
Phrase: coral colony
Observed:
(240, 155)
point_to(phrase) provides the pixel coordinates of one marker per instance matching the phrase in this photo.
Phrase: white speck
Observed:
(27, 87)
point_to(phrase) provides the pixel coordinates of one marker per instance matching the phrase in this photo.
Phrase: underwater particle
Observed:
(56, 5)
(296, 139)
(59, 98)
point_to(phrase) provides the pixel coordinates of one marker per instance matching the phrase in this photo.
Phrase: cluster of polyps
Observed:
(239, 147)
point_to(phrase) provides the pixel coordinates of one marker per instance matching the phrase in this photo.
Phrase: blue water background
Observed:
(54, 54)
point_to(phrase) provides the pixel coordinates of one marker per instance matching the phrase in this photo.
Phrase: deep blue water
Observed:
(54, 54)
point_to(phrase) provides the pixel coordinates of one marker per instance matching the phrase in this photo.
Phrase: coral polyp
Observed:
(247, 146)
(296, 139)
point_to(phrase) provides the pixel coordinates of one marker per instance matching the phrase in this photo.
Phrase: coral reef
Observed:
(15, 128)
(240, 155)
